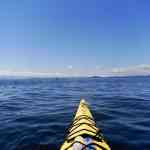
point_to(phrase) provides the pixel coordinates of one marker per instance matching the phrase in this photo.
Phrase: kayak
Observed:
(83, 133)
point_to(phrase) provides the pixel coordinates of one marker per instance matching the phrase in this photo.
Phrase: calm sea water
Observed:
(37, 112)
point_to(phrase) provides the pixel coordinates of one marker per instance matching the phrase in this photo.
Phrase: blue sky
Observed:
(70, 37)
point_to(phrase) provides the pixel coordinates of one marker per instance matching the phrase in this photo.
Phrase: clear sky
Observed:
(74, 36)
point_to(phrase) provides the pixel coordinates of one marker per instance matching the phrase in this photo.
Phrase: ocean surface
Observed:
(35, 113)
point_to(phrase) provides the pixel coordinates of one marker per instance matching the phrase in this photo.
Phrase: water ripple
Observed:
(36, 113)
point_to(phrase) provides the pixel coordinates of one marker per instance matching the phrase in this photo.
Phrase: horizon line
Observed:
(138, 70)
(108, 76)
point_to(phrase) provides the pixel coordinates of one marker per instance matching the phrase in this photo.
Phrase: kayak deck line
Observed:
(83, 133)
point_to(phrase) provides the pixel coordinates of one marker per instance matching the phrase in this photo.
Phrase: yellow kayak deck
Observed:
(83, 133)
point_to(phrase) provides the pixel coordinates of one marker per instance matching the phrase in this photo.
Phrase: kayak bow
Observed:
(83, 133)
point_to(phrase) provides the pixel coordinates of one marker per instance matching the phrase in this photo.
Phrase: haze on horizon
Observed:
(74, 38)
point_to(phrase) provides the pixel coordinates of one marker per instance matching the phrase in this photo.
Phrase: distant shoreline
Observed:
(58, 77)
